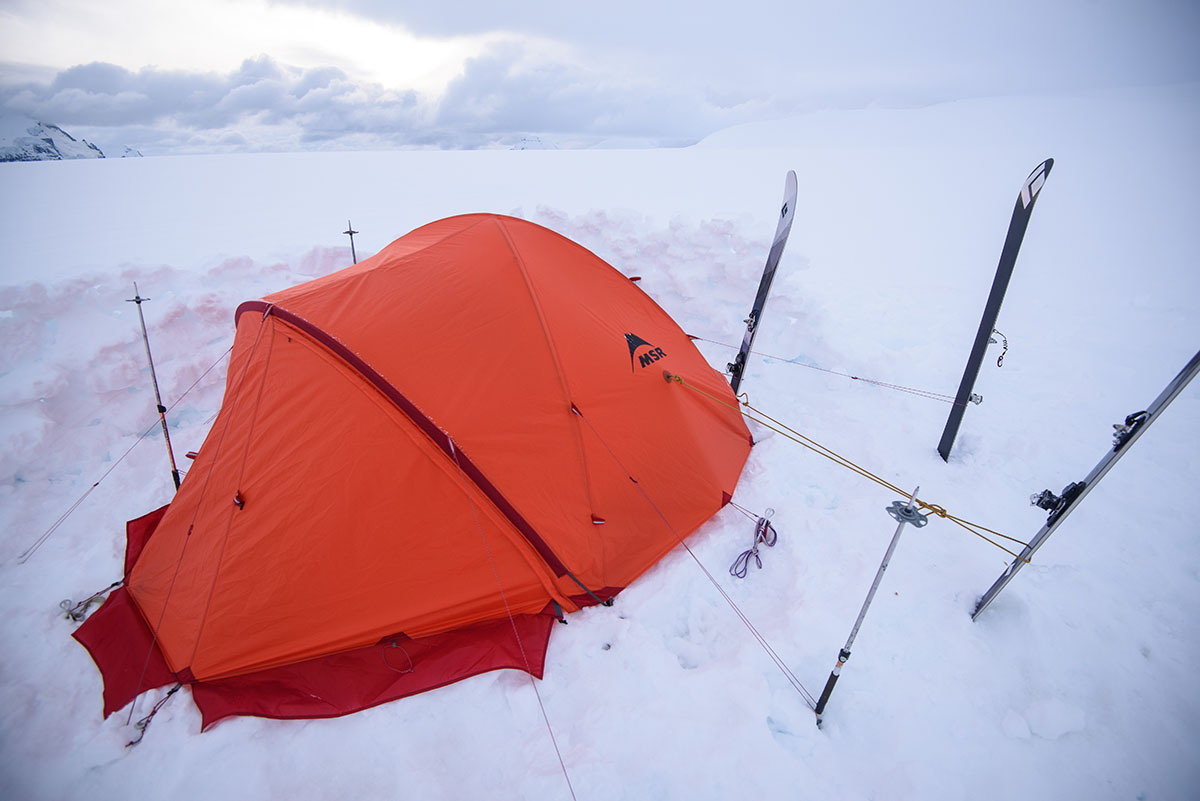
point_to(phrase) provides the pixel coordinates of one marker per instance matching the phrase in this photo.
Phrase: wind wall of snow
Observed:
(1077, 683)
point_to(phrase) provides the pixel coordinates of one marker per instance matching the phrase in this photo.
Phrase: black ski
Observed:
(1008, 258)
(1059, 506)
(738, 366)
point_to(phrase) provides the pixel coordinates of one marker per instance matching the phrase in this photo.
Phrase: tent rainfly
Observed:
(419, 462)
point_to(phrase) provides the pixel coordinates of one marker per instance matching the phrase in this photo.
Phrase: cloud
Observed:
(311, 105)
(506, 90)
(105, 94)
(667, 73)
(510, 90)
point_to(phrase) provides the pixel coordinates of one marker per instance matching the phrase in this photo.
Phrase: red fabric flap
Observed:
(393, 668)
(137, 532)
(122, 646)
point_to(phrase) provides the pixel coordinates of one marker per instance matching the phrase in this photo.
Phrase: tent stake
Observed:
(350, 232)
(904, 513)
(162, 410)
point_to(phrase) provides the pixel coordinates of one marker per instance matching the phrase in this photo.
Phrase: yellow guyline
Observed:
(767, 421)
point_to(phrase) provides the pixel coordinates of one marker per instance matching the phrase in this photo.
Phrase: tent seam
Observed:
(558, 367)
(241, 474)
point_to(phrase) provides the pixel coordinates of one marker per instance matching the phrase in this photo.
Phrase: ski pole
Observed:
(162, 410)
(904, 513)
(350, 232)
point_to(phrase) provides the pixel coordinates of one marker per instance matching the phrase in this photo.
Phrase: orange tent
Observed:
(419, 462)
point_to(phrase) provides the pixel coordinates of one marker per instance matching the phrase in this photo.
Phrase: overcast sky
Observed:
(179, 76)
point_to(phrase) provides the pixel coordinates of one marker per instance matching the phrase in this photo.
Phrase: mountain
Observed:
(24, 139)
(534, 143)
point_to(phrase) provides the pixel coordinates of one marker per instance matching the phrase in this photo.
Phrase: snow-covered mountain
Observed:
(534, 143)
(25, 139)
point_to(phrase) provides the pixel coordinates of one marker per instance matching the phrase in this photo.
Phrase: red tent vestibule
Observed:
(418, 461)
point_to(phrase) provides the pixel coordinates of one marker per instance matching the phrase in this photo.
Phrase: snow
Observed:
(1078, 682)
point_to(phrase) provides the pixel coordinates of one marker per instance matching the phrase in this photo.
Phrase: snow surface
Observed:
(1077, 683)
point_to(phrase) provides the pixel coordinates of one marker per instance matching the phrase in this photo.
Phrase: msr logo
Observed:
(646, 357)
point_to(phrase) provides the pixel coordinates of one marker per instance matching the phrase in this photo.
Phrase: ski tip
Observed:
(1033, 184)
(788, 209)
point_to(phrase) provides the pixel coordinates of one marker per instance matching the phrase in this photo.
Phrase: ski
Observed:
(786, 212)
(1008, 257)
(1059, 506)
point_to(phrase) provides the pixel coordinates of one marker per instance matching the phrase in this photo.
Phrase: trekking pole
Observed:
(162, 410)
(904, 512)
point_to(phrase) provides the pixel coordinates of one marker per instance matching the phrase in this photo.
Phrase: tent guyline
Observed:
(749, 515)
(77, 611)
(816, 447)
(32, 549)
(144, 723)
(920, 393)
(754, 632)
(462, 478)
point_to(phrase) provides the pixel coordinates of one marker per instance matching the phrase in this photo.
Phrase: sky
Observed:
(202, 76)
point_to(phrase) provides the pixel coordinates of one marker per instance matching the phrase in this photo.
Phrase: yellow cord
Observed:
(790, 433)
